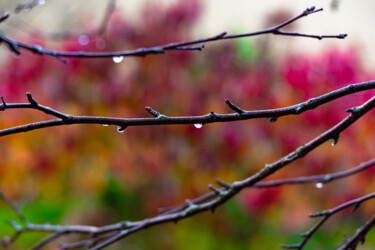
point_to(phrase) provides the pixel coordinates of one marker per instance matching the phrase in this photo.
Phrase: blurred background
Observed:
(93, 175)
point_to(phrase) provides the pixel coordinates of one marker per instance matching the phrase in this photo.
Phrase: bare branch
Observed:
(359, 236)
(169, 120)
(325, 216)
(126, 228)
(234, 107)
(4, 16)
(47, 240)
(324, 178)
(14, 45)
(14, 206)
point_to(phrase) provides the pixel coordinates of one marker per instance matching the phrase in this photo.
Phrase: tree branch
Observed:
(326, 214)
(271, 114)
(15, 46)
(127, 228)
(359, 236)
(324, 178)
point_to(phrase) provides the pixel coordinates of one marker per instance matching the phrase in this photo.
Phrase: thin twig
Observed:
(359, 236)
(14, 206)
(4, 16)
(65, 119)
(128, 228)
(326, 214)
(324, 178)
(47, 240)
(15, 46)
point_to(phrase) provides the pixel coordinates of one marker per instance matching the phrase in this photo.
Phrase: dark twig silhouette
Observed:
(16, 46)
(101, 237)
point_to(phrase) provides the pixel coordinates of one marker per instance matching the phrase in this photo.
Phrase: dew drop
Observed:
(117, 59)
(198, 125)
(121, 129)
(319, 185)
(272, 119)
(83, 40)
(333, 141)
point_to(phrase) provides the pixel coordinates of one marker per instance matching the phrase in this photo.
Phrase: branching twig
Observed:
(324, 178)
(15, 46)
(65, 119)
(124, 229)
(359, 236)
(325, 216)
(14, 206)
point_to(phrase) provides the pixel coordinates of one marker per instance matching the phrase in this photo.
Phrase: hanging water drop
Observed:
(117, 59)
(272, 119)
(121, 129)
(319, 185)
(198, 125)
(334, 140)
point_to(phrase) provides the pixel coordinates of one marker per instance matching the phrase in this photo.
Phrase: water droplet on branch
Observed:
(105, 125)
(334, 140)
(198, 125)
(121, 129)
(319, 185)
(272, 119)
(117, 59)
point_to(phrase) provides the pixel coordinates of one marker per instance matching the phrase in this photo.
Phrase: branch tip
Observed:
(4, 105)
(4, 16)
(215, 189)
(190, 203)
(342, 36)
(152, 112)
(312, 8)
(235, 107)
(31, 99)
(221, 35)
(223, 184)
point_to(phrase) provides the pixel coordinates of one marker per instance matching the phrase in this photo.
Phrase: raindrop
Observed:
(319, 185)
(105, 125)
(117, 59)
(272, 119)
(121, 129)
(83, 40)
(198, 125)
(334, 140)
